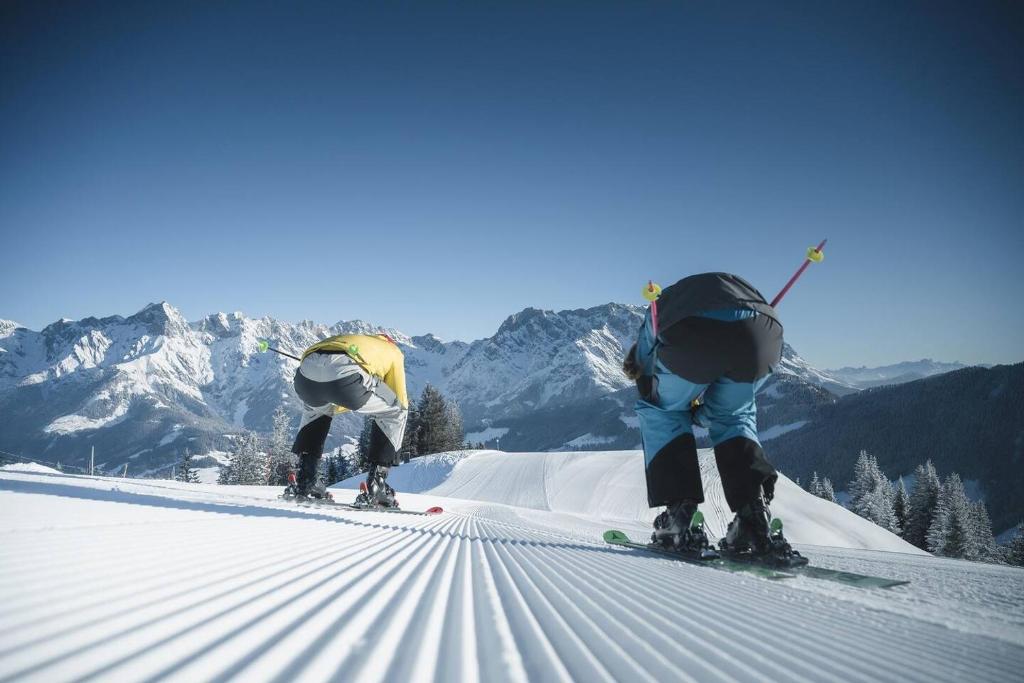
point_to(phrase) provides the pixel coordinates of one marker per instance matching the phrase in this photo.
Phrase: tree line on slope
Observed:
(935, 516)
(969, 421)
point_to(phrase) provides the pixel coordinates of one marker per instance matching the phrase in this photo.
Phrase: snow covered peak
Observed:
(363, 327)
(571, 324)
(542, 358)
(432, 343)
(7, 327)
(160, 318)
(793, 364)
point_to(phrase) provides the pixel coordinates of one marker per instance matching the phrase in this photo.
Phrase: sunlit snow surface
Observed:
(120, 580)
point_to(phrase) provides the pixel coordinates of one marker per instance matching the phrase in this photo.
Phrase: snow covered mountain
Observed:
(541, 359)
(793, 364)
(140, 389)
(899, 373)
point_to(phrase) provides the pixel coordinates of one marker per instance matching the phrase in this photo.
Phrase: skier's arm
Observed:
(644, 361)
(645, 345)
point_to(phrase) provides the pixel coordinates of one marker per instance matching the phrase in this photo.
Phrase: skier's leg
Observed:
(670, 450)
(389, 416)
(382, 451)
(309, 447)
(754, 349)
(732, 425)
(388, 419)
(748, 479)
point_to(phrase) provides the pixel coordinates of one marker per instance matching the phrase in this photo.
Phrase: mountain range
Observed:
(899, 373)
(142, 388)
(969, 421)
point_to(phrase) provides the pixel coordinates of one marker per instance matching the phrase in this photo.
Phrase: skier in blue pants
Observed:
(719, 338)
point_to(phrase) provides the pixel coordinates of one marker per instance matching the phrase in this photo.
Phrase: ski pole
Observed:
(651, 293)
(263, 345)
(814, 255)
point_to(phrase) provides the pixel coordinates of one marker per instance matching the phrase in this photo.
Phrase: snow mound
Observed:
(419, 474)
(29, 467)
(610, 486)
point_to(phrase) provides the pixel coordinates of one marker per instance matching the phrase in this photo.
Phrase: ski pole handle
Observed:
(814, 255)
(651, 293)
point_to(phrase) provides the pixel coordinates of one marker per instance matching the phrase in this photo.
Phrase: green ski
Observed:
(735, 564)
(620, 539)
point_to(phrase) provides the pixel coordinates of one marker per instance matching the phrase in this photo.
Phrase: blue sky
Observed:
(437, 167)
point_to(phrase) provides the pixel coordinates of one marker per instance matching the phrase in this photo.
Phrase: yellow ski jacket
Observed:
(377, 354)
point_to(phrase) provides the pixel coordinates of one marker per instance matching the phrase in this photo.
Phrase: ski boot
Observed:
(680, 527)
(752, 537)
(308, 486)
(375, 491)
(291, 489)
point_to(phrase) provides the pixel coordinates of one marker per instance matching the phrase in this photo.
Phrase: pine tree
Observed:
(345, 465)
(186, 472)
(439, 424)
(871, 494)
(980, 525)
(279, 448)
(955, 543)
(248, 463)
(363, 447)
(351, 459)
(861, 482)
(456, 434)
(814, 488)
(827, 492)
(949, 534)
(332, 471)
(899, 506)
(921, 505)
(225, 476)
(1016, 549)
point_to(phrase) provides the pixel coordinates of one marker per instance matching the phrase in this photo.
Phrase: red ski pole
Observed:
(814, 255)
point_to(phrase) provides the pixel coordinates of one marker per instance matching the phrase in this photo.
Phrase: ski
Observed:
(812, 572)
(435, 510)
(620, 539)
(737, 564)
(848, 578)
(328, 503)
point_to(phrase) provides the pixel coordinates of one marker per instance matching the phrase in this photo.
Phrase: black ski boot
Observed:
(680, 527)
(751, 536)
(375, 491)
(287, 472)
(291, 489)
(308, 486)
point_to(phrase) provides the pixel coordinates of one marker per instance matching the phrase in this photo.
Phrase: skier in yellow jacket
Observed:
(351, 372)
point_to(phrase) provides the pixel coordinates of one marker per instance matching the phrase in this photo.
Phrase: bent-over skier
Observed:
(364, 374)
(716, 337)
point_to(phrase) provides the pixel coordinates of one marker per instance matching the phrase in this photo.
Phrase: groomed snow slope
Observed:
(609, 486)
(122, 580)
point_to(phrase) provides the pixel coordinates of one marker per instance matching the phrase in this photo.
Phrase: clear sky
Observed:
(436, 167)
